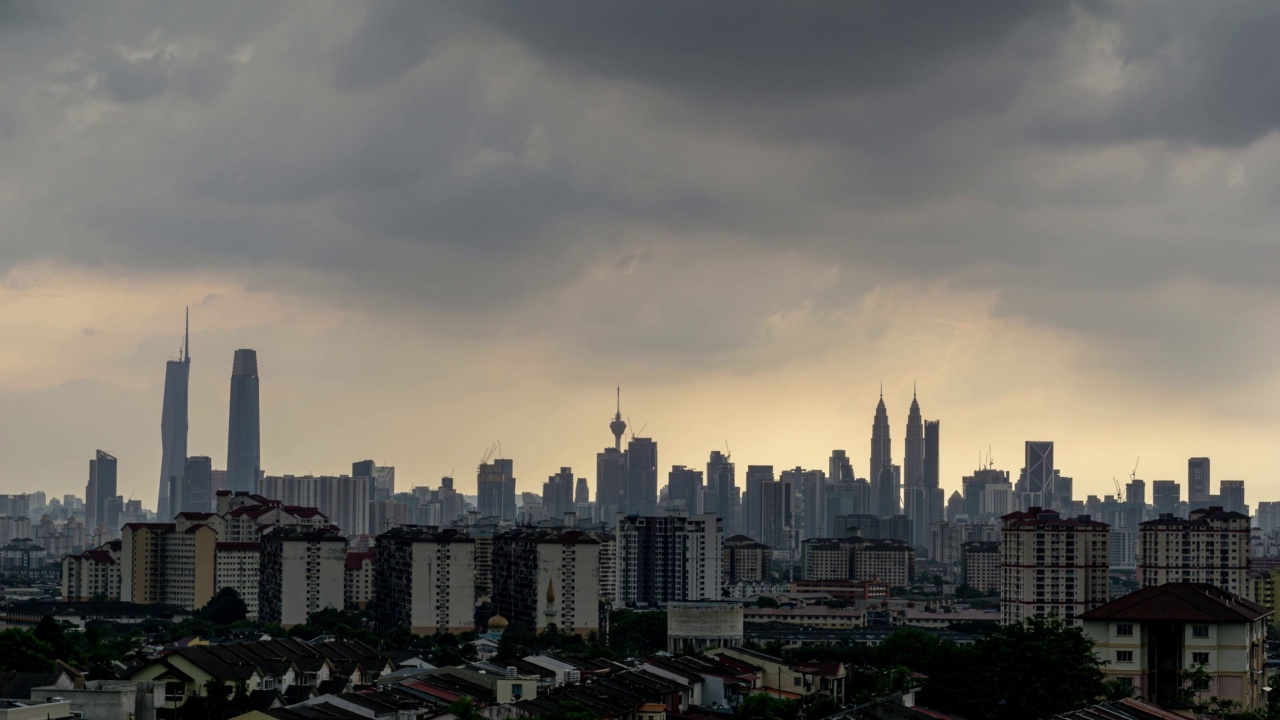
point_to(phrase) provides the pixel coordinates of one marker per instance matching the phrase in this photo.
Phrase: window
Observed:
(1200, 631)
(517, 690)
(1124, 630)
(1199, 658)
(795, 681)
(1125, 656)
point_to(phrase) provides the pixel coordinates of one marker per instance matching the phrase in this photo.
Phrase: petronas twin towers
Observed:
(244, 453)
(914, 484)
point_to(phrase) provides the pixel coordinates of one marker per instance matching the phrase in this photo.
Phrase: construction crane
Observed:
(1119, 490)
(727, 452)
(634, 433)
(1133, 476)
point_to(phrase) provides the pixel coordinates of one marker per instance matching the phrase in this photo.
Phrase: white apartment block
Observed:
(944, 540)
(342, 498)
(1212, 546)
(1052, 567)
(236, 565)
(302, 572)
(892, 562)
(359, 579)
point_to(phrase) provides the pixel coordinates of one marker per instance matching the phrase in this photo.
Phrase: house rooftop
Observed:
(1186, 602)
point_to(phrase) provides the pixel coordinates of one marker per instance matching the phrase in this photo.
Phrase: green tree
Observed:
(464, 709)
(821, 706)
(224, 608)
(50, 633)
(764, 601)
(634, 633)
(1035, 668)
(760, 706)
(22, 650)
(570, 710)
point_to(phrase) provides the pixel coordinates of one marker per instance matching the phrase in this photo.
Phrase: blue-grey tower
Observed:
(244, 450)
(173, 422)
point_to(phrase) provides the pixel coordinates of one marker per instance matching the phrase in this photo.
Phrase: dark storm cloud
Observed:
(1198, 73)
(763, 51)
(476, 157)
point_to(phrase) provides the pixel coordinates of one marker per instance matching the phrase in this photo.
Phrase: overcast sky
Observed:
(444, 225)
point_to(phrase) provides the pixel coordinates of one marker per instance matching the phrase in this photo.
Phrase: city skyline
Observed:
(1030, 216)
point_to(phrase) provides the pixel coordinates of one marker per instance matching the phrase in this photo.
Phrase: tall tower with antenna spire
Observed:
(173, 423)
(618, 426)
(883, 477)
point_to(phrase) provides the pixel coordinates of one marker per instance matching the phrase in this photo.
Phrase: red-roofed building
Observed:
(1149, 637)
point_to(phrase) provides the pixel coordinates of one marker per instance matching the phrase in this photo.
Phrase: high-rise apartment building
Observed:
(1199, 482)
(92, 574)
(544, 578)
(1165, 496)
(810, 506)
(778, 514)
(173, 423)
(343, 499)
(244, 441)
(1051, 567)
(300, 572)
(642, 476)
(944, 541)
(1211, 546)
(884, 480)
(424, 579)
(160, 564)
(980, 565)
(666, 559)
(745, 560)
(684, 490)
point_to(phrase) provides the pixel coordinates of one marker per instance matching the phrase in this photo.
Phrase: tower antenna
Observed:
(186, 338)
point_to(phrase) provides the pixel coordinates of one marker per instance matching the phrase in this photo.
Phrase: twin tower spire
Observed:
(886, 478)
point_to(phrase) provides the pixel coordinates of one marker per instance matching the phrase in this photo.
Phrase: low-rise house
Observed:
(817, 616)
(784, 679)
(293, 669)
(1149, 637)
(945, 617)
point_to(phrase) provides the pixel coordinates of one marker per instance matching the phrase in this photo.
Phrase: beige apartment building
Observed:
(1147, 638)
(1052, 567)
(1211, 546)
(93, 573)
(745, 560)
(980, 565)
(855, 558)
(359, 579)
(301, 572)
(161, 565)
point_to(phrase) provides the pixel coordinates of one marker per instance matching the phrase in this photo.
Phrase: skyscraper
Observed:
(642, 477)
(557, 493)
(1165, 496)
(931, 455)
(244, 449)
(101, 488)
(913, 452)
(838, 467)
(720, 495)
(684, 489)
(581, 492)
(751, 524)
(173, 422)
(1039, 472)
(195, 492)
(490, 490)
(884, 491)
(1198, 479)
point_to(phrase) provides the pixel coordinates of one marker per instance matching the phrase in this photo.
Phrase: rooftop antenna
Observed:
(186, 338)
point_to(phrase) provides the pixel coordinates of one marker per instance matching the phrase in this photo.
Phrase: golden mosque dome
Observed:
(497, 622)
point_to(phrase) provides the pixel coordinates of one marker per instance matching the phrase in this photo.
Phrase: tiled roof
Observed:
(1186, 602)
